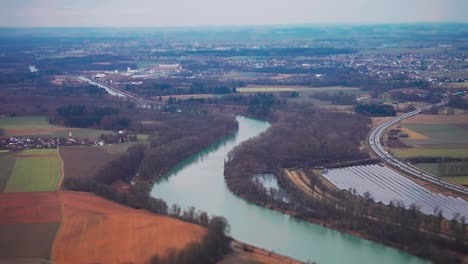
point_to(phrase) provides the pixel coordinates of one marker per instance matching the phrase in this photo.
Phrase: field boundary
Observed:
(62, 167)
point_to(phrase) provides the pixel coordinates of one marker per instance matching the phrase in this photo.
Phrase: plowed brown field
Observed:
(28, 224)
(21, 208)
(96, 230)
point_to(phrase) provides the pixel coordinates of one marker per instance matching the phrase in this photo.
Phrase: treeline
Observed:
(175, 87)
(375, 110)
(336, 98)
(214, 245)
(80, 115)
(259, 105)
(458, 101)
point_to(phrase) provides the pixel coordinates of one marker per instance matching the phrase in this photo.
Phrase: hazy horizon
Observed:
(212, 13)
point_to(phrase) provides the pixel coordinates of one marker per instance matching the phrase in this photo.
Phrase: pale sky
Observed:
(164, 13)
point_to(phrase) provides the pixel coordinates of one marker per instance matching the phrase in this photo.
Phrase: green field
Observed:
(6, 165)
(433, 168)
(439, 133)
(41, 171)
(39, 152)
(39, 126)
(458, 84)
(27, 122)
(463, 180)
(413, 152)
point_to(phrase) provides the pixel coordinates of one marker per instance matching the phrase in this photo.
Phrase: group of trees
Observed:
(303, 135)
(375, 109)
(214, 245)
(171, 87)
(80, 115)
(458, 101)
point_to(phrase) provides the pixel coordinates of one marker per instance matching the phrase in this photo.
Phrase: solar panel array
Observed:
(386, 185)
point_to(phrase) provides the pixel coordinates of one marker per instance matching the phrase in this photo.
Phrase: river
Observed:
(198, 181)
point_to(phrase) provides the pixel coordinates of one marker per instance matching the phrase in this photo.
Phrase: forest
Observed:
(375, 110)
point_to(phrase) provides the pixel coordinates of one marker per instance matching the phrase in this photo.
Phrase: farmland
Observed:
(414, 152)
(385, 185)
(433, 168)
(35, 170)
(39, 126)
(28, 224)
(115, 233)
(84, 162)
(435, 136)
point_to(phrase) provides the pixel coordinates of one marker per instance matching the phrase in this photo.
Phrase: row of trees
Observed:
(375, 110)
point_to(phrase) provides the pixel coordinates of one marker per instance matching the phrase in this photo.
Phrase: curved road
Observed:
(376, 145)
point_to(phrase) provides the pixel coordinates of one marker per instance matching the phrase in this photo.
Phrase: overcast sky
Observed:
(162, 13)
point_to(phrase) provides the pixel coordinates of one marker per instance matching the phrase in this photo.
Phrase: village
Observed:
(36, 142)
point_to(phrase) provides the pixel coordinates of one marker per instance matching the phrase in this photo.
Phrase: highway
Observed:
(375, 142)
(116, 92)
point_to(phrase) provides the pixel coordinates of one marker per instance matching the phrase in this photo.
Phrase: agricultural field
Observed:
(39, 126)
(34, 170)
(115, 233)
(415, 152)
(433, 168)
(85, 162)
(434, 136)
(386, 185)
(458, 84)
(28, 224)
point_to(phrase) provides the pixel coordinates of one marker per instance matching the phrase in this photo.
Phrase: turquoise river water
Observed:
(198, 181)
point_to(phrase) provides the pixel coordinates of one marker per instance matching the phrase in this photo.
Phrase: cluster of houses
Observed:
(17, 143)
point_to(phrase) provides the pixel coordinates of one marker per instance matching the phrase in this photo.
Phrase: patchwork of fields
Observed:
(28, 224)
(435, 136)
(386, 185)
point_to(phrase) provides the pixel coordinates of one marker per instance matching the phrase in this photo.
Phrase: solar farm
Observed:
(386, 185)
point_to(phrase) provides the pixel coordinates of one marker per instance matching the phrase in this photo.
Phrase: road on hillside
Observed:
(375, 142)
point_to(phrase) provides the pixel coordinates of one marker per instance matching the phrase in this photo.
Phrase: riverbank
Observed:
(243, 253)
(188, 184)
